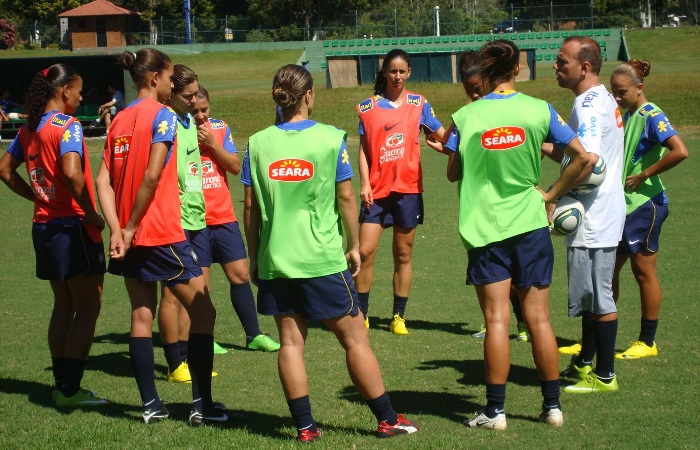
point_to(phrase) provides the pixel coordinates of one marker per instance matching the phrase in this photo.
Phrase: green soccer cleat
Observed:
(83, 397)
(571, 349)
(219, 350)
(592, 384)
(263, 343)
(574, 371)
(481, 334)
(398, 326)
(638, 350)
(522, 333)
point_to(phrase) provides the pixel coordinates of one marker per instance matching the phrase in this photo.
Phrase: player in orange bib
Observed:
(391, 177)
(66, 227)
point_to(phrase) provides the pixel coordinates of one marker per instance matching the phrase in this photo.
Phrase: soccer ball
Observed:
(592, 181)
(567, 216)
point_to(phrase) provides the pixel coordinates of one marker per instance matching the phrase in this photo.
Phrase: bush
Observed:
(258, 36)
(8, 35)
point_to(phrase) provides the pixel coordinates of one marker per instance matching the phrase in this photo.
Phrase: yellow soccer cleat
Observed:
(638, 350)
(182, 374)
(398, 326)
(592, 384)
(367, 322)
(571, 349)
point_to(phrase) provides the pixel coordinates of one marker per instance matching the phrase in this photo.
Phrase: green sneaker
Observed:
(522, 333)
(481, 334)
(264, 343)
(219, 350)
(592, 384)
(83, 397)
(574, 371)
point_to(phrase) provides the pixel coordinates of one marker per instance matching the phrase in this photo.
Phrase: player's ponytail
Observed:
(635, 69)
(141, 63)
(44, 86)
(289, 87)
(498, 61)
(380, 79)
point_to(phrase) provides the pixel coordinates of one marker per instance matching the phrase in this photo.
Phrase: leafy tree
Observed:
(8, 34)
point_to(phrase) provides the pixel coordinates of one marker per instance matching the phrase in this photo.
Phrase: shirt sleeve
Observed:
(429, 121)
(343, 169)
(228, 144)
(361, 129)
(589, 124)
(245, 170)
(15, 149)
(164, 126)
(560, 133)
(452, 143)
(72, 139)
(658, 127)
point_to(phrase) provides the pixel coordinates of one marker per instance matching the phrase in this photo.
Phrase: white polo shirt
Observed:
(597, 120)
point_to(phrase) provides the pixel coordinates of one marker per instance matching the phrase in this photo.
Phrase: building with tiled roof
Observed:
(98, 24)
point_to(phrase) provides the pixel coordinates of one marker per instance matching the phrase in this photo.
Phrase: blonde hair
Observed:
(635, 69)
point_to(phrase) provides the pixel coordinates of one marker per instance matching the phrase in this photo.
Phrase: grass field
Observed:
(435, 374)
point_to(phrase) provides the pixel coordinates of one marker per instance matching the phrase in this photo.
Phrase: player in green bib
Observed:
(173, 320)
(648, 133)
(494, 153)
(299, 208)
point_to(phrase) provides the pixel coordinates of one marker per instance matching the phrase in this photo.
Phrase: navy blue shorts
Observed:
(643, 229)
(403, 210)
(226, 243)
(172, 264)
(64, 250)
(199, 240)
(314, 298)
(528, 259)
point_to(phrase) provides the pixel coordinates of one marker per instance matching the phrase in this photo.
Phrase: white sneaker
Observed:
(553, 417)
(483, 421)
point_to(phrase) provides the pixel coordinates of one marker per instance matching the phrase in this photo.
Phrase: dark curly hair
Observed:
(43, 88)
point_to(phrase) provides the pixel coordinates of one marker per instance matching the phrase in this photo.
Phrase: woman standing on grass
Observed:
(391, 177)
(67, 228)
(138, 192)
(494, 153)
(298, 183)
(647, 133)
(219, 156)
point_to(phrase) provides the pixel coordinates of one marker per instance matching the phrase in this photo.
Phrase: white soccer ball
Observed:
(567, 216)
(592, 181)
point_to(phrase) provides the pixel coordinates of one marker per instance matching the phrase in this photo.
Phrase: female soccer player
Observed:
(497, 161)
(173, 320)
(138, 192)
(647, 133)
(298, 183)
(391, 177)
(66, 227)
(219, 155)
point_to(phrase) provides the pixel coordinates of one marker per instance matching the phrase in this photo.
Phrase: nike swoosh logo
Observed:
(221, 418)
(632, 242)
(389, 128)
(33, 157)
(189, 152)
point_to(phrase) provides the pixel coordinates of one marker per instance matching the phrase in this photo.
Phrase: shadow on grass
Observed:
(41, 395)
(440, 404)
(375, 323)
(472, 371)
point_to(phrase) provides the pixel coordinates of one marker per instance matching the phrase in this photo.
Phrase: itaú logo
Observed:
(290, 170)
(502, 138)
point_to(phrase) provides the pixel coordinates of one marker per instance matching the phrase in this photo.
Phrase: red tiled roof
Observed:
(97, 8)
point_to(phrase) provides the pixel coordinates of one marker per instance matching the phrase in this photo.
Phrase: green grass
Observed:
(434, 375)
